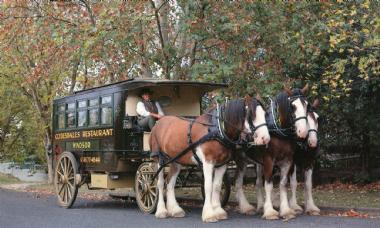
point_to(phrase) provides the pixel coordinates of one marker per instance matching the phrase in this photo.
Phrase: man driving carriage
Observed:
(149, 111)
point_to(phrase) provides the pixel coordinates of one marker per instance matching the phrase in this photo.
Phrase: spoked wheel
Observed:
(146, 191)
(224, 193)
(64, 181)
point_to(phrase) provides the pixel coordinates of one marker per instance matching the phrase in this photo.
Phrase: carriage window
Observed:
(82, 118)
(93, 114)
(82, 104)
(70, 106)
(106, 100)
(94, 102)
(106, 115)
(61, 120)
(70, 118)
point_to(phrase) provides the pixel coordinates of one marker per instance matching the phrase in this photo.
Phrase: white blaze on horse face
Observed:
(301, 125)
(261, 136)
(313, 125)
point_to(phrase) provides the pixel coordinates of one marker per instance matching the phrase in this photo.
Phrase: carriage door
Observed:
(133, 138)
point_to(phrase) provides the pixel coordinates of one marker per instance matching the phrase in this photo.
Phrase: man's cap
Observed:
(146, 91)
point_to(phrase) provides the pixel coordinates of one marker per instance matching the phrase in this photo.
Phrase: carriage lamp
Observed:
(127, 123)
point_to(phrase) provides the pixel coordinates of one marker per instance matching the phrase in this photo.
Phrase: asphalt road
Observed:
(26, 210)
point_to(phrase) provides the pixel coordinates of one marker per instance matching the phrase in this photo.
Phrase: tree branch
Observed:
(89, 10)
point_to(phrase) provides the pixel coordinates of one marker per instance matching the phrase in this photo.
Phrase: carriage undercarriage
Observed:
(68, 180)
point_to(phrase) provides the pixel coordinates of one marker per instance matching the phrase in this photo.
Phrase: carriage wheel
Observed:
(65, 184)
(146, 192)
(224, 193)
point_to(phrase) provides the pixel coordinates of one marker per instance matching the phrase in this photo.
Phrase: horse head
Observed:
(293, 107)
(255, 122)
(312, 118)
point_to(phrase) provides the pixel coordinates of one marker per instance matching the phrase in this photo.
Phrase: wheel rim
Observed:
(65, 181)
(146, 191)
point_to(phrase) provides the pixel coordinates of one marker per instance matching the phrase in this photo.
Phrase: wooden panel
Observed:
(146, 141)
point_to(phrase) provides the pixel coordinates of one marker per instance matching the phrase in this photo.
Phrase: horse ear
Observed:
(305, 89)
(288, 91)
(258, 97)
(315, 103)
(247, 99)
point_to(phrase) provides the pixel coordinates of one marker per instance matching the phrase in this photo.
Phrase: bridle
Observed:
(252, 127)
(291, 100)
(310, 110)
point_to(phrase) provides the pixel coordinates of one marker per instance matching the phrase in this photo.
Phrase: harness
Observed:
(216, 131)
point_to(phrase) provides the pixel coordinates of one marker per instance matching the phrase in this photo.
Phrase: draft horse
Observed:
(207, 141)
(304, 158)
(291, 108)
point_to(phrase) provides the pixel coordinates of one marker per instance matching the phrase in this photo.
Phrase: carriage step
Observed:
(107, 181)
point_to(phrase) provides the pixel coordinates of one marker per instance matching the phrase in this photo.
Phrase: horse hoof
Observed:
(271, 215)
(161, 214)
(220, 214)
(296, 208)
(313, 212)
(249, 210)
(178, 213)
(288, 216)
(209, 216)
(288, 213)
(298, 211)
(208, 220)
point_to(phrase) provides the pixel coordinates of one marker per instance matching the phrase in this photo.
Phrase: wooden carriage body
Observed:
(98, 126)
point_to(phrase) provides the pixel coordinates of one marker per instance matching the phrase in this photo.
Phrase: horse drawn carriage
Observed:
(97, 141)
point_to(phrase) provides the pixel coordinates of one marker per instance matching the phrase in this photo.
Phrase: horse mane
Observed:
(284, 109)
(234, 112)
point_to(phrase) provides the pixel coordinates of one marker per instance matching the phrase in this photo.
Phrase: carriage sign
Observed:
(96, 133)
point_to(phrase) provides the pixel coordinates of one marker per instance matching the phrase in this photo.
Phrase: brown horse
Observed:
(292, 107)
(211, 147)
(304, 158)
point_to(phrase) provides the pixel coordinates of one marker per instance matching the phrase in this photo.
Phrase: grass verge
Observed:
(8, 179)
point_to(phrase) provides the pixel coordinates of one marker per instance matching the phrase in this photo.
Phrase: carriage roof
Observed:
(133, 84)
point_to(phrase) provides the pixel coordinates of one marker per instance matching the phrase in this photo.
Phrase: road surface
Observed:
(19, 209)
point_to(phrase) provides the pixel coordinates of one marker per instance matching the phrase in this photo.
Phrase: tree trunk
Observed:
(365, 152)
(48, 154)
(45, 119)
(161, 14)
(74, 76)
(144, 62)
